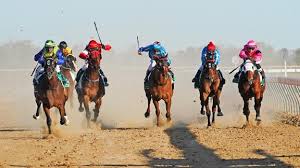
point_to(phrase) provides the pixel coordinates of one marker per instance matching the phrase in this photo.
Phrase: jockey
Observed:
(92, 46)
(63, 46)
(50, 50)
(251, 51)
(210, 49)
(155, 49)
(67, 51)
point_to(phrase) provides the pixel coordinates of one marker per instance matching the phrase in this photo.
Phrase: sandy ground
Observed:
(277, 145)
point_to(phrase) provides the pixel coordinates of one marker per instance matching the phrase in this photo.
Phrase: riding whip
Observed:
(97, 32)
(34, 68)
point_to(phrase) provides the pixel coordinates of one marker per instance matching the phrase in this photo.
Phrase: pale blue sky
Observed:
(178, 24)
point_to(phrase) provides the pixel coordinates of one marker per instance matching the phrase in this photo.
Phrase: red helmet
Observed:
(211, 46)
(93, 44)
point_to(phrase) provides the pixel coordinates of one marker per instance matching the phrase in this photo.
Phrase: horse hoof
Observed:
(147, 114)
(36, 117)
(220, 114)
(67, 122)
(202, 112)
(62, 121)
(81, 109)
(258, 118)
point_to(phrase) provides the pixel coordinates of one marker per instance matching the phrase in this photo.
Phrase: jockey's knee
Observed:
(57, 68)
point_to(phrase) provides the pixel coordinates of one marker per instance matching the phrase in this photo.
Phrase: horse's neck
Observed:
(210, 72)
(54, 81)
(160, 78)
(92, 73)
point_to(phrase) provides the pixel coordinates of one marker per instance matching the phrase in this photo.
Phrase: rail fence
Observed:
(283, 95)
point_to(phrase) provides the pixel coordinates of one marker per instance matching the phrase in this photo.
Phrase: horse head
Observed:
(69, 63)
(94, 60)
(49, 67)
(210, 67)
(161, 69)
(248, 69)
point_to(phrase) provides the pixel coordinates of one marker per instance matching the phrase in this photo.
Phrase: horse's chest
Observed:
(159, 94)
(56, 98)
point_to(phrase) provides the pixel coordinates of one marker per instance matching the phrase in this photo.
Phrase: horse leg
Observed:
(257, 108)
(97, 109)
(208, 112)
(147, 113)
(202, 103)
(63, 116)
(157, 110)
(49, 121)
(87, 110)
(214, 108)
(37, 114)
(168, 103)
(80, 99)
(246, 110)
(218, 103)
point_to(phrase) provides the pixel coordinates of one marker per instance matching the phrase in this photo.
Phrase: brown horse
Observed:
(67, 69)
(51, 93)
(210, 86)
(250, 86)
(91, 88)
(160, 88)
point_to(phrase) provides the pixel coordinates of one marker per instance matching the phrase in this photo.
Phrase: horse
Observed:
(67, 69)
(250, 86)
(161, 87)
(91, 89)
(51, 93)
(210, 86)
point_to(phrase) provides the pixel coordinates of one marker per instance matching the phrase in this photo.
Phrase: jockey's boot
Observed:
(63, 79)
(146, 77)
(34, 81)
(197, 76)
(172, 75)
(35, 85)
(236, 77)
(104, 77)
(78, 75)
(262, 72)
(221, 77)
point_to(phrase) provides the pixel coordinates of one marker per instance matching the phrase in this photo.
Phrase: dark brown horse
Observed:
(210, 87)
(160, 88)
(91, 88)
(250, 86)
(68, 69)
(51, 93)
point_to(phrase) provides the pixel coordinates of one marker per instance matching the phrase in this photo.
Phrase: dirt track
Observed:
(277, 145)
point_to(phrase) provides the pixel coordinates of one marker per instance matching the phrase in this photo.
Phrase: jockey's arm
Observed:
(217, 57)
(84, 54)
(146, 49)
(106, 47)
(203, 55)
(38, 55)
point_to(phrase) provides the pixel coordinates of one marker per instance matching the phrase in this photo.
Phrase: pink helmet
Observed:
(251, 44)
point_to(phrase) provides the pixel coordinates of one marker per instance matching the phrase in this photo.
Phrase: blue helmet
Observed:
(157, 47)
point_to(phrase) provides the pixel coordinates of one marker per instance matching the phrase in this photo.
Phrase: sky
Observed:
(177, 24)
